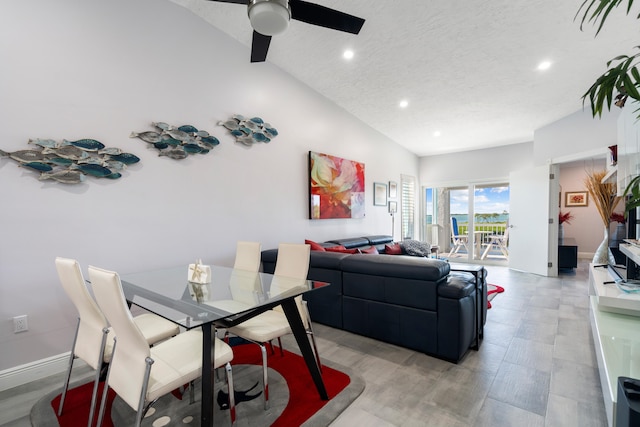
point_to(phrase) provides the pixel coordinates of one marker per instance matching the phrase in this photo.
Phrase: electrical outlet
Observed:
(20, 324)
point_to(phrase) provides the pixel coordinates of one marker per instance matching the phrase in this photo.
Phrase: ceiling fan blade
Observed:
(244, 2)
(322, 16)
(259, 47)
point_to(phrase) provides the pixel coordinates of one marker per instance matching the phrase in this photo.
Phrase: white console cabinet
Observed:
(616, 336)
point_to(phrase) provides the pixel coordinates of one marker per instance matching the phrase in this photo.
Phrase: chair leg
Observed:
(280, 345)
(94, 395)
(105, 390)
(265, 381)
(71, 357)
(142, 410)
(232, 400)
(66, 383)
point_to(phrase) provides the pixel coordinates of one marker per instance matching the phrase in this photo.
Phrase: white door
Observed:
(529, 205)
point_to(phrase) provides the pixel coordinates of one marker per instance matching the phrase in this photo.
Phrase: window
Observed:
(408, 206)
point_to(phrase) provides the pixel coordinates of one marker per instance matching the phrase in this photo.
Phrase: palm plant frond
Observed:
(624, 77)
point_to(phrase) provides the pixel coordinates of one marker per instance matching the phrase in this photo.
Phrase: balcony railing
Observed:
(486, 229)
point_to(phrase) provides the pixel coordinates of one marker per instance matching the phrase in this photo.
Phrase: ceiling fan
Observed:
(271, 17)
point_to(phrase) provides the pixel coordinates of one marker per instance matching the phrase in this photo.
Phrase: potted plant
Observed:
(606, 200)
(562, 218)
(624, 77)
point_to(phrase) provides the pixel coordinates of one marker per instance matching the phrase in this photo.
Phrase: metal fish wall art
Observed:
(71, 162)
(177, 142)
(249, 131)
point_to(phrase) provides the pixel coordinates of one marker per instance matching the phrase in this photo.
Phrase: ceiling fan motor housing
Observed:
(269, 17)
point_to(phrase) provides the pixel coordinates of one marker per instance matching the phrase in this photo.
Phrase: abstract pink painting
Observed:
(336, 187)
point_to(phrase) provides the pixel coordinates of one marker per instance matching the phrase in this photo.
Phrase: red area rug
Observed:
(492, 292)
(293, 397)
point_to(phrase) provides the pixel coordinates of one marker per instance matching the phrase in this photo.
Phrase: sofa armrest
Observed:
(457, 286)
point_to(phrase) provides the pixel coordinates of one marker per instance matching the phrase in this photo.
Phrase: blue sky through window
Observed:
(488, 200)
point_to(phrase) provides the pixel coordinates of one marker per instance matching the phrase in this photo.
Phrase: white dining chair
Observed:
(247, 256)
(90, 341)
(292, 267)
(140, 374)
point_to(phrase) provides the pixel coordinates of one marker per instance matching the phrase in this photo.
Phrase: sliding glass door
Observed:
(468, 222)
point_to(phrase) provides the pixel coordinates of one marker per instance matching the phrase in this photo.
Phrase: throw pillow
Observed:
(314, 246)
(393, 249)
(342, 249)
(370, 250)
(416, 248)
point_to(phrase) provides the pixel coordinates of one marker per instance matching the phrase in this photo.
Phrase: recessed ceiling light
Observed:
(348, 54)
(437, 133)
(404, 103)
(544, 65)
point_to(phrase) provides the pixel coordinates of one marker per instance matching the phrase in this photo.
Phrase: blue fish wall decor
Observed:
(249, 131)
(71, 162)
(177, 142)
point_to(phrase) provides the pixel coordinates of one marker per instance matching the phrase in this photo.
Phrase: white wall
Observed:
(577, 133)
(76, 69)
(478, 165)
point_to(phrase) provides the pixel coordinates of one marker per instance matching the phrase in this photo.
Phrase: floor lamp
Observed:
(393, 207)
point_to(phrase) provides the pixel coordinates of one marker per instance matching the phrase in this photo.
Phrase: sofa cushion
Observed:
(369, 250)
(379, 239)
(351, 242)
(393, 249)
(342, 249)
(397, 266)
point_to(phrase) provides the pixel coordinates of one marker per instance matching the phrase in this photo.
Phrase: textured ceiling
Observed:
(467, 68)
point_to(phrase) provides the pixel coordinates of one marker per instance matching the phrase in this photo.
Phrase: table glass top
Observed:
(168, 293)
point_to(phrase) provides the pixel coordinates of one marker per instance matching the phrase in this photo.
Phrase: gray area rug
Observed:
(171, 411)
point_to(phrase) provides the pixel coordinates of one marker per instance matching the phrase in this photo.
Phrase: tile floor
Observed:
(536, 367)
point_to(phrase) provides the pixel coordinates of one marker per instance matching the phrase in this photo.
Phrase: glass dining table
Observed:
(231, 297)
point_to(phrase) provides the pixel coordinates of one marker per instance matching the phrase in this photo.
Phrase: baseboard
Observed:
(33, 371)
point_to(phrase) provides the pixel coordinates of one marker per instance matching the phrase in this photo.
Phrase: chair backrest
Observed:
(505, 236)
(454, 226)
(92, 321)
(293, 260)
(293, 263)
(245, 286)
(127, 369)
(280, 285)
(248, 256)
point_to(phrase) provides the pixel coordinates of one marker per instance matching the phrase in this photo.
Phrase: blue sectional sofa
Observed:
(414, 302)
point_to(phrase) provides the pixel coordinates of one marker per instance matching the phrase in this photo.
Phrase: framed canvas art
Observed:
(576, 198)
(393, 189)
(379, 194)
(336, 187)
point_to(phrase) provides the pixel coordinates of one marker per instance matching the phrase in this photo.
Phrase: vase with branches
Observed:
(605, 198)
(563, 218)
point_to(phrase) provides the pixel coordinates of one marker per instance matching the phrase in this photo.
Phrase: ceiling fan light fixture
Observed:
(269, 17)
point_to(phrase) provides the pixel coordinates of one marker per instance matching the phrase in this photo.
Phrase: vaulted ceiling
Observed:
(467, 69)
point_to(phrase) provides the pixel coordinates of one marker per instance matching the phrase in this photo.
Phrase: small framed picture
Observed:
(393, 207)
(379, 194)
(576, 198)
(393, 189)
